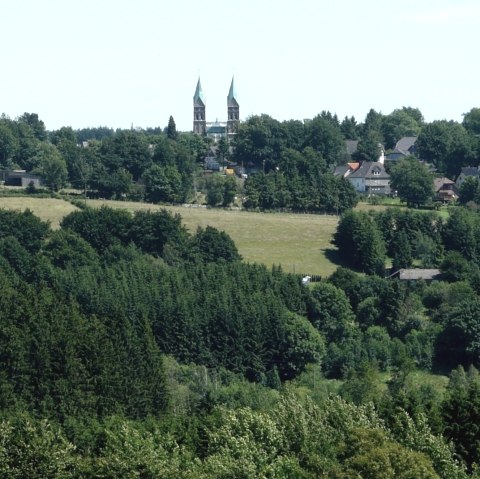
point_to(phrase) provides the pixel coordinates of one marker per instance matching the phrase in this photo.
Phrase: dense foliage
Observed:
(300, 182)
(409, 237)
(412, 181)
(130, 347)
(128, 344)
(290, 164)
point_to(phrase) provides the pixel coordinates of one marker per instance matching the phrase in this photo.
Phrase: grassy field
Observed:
(300, 243)
(47, 209)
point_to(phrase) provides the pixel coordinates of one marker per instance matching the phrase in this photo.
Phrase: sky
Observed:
(120, 63)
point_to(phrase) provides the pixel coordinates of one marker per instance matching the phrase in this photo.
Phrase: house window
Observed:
(376, 172)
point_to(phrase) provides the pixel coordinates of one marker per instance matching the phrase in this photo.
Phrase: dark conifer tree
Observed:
(171, 129)
(402, 257)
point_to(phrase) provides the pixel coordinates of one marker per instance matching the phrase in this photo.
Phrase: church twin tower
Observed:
(215, 129)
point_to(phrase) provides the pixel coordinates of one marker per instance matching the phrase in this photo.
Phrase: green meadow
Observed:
(300, 243)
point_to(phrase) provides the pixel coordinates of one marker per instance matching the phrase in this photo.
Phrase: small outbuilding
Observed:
(21, 178)
(415, 274)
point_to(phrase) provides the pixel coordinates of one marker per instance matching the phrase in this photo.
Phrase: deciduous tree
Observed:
(325, 137)
(8, 144)
(398, 124)
(470, 191)
(412, 181)
(52, 166)
(447, 145)
(471, 121)
(163, 184)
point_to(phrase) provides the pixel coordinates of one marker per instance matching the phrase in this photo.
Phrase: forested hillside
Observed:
(132, 348)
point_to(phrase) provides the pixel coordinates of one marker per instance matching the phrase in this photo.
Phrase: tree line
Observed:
(336, 439)
(448, 145)
(409, 237)
(293, 160)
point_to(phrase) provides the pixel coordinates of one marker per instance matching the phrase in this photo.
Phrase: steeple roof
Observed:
(198, 98)
(232, 101)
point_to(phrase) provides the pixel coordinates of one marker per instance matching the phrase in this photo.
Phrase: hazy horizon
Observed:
(120, 63)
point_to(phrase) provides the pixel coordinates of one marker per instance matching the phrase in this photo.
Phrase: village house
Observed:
(371, 178)
(467, 172)
(403, 148)
(445, 190)
(345, 170)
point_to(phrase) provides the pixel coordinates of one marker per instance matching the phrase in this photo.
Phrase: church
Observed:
(217, 129)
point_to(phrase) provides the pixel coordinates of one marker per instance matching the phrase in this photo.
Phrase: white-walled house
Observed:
(371, 178)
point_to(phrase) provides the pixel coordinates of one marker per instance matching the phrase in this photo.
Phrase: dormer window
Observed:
(376, 171)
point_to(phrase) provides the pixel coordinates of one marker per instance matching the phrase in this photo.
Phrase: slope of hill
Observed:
(300, 243)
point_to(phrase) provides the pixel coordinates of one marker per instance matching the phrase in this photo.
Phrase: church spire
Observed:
(233, 110)
(199, 118)
(198, 98)
(231, 99)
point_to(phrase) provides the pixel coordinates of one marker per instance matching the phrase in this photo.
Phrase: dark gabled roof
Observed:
(405, 144)
(470, 171)
(367, 168)
(341, 170)
(345, 170)
(439, 183)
